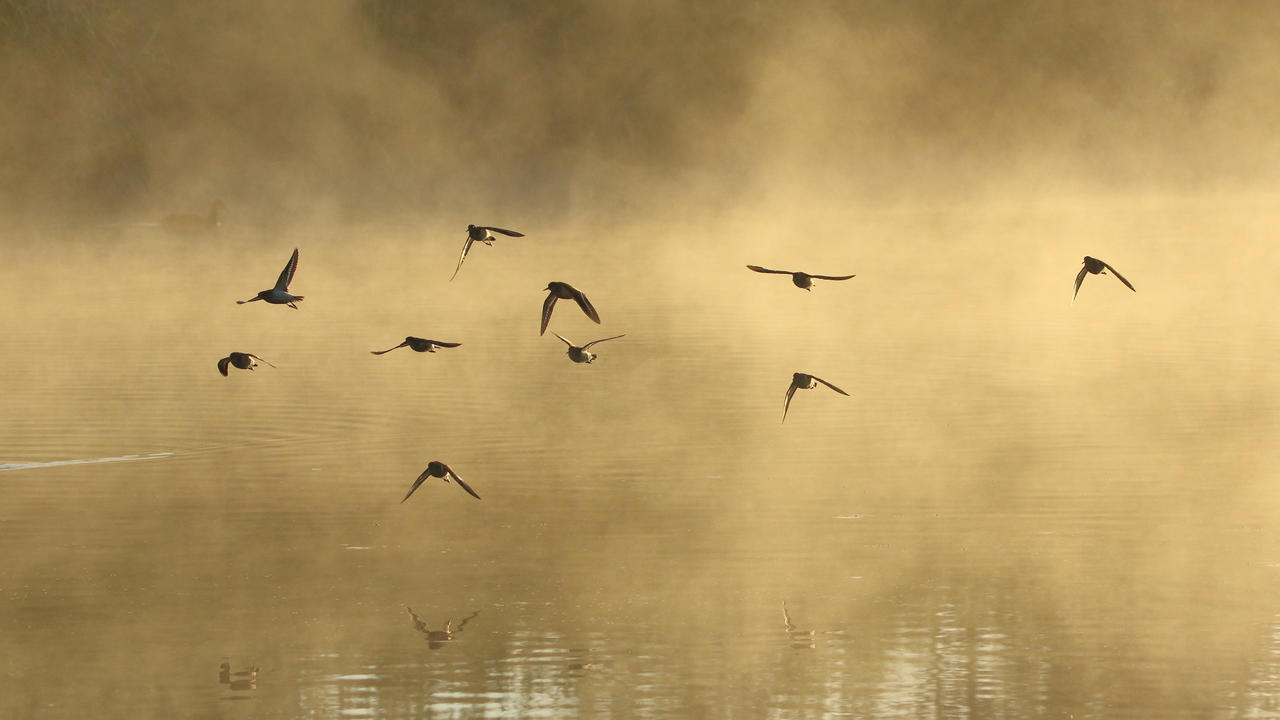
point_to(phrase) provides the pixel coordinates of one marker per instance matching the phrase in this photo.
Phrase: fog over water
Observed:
(1026, 506)
(337, 110)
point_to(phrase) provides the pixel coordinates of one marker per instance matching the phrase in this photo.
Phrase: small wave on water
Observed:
(59, 463)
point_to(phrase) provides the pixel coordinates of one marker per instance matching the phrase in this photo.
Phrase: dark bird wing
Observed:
(466, 619)
(286, 275)
(593, 342)
(586, 306)
(759, 269)
(824, 382)
(449, 473)
(547, 306)
(1119, 277)
(438, 343)
(255, 357)
(832, 277)
(222, 365)
(425, 474)
(384, 352)
(508, 233)
(1079, 279)
(787, 404)
(566, 342)
(466, 247)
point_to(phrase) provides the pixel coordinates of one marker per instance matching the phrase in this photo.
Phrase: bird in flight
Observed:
(244, 361)
(803, 381)
(559, 290)
(418, 344)
(578, 353)
(438, 469)
(483, 234)
(1097, 267)
(279, 295)
(801, 279)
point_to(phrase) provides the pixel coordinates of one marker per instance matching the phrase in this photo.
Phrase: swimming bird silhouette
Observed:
(801, 279)
(579, 354)
(279, 295)
(438, 469)
(192, 224)
(1097, 267)
(483, 234)
(559, 290)
(436, 639)
(418, 344)
(803, 381)
(244, 361)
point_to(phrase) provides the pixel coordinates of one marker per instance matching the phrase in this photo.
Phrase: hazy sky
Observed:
(354, 109)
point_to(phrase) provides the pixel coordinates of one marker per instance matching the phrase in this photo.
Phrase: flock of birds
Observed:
(279, 295)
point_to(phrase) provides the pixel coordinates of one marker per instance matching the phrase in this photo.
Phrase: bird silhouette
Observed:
(563, 290)
(418, 344)
(801, 279)
(279, 295)
(244, 361)
(804, 381)
(438, 469)
(1097, 267)
(482, 234)
(579, 354)
(437, 639)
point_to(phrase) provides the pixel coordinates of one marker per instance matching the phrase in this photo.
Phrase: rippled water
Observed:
(1026, 507)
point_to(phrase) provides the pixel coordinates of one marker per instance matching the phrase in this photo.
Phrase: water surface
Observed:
(1027, 507)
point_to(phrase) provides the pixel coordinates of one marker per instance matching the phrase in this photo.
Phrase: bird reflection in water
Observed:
(436, 639)
(239, 680)
(799, 639)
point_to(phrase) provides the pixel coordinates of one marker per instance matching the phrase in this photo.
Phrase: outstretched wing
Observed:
(547, 306)
(466, 247)
(438, 343)
(1079, 279)
(286, 275)
(509, 233)
(384, 352)
(586, 306)
(563, 340)
(593, 342)
(787, 404)
(832, 277)
(449, 473)
(759, 269)
(1119, 276)
(222, 365)
(255, 357)
(824, 382)
(425, 474)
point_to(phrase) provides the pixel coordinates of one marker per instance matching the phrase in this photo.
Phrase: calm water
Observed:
(1026, 508)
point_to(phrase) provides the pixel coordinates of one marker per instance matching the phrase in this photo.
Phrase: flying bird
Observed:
(1097, 267)
(438, 469)
(801, 279)
(559, 290)
(483, 234)
(279, 295)
(418, 344)
(802, 381)
(579, 354)
(244, 361)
